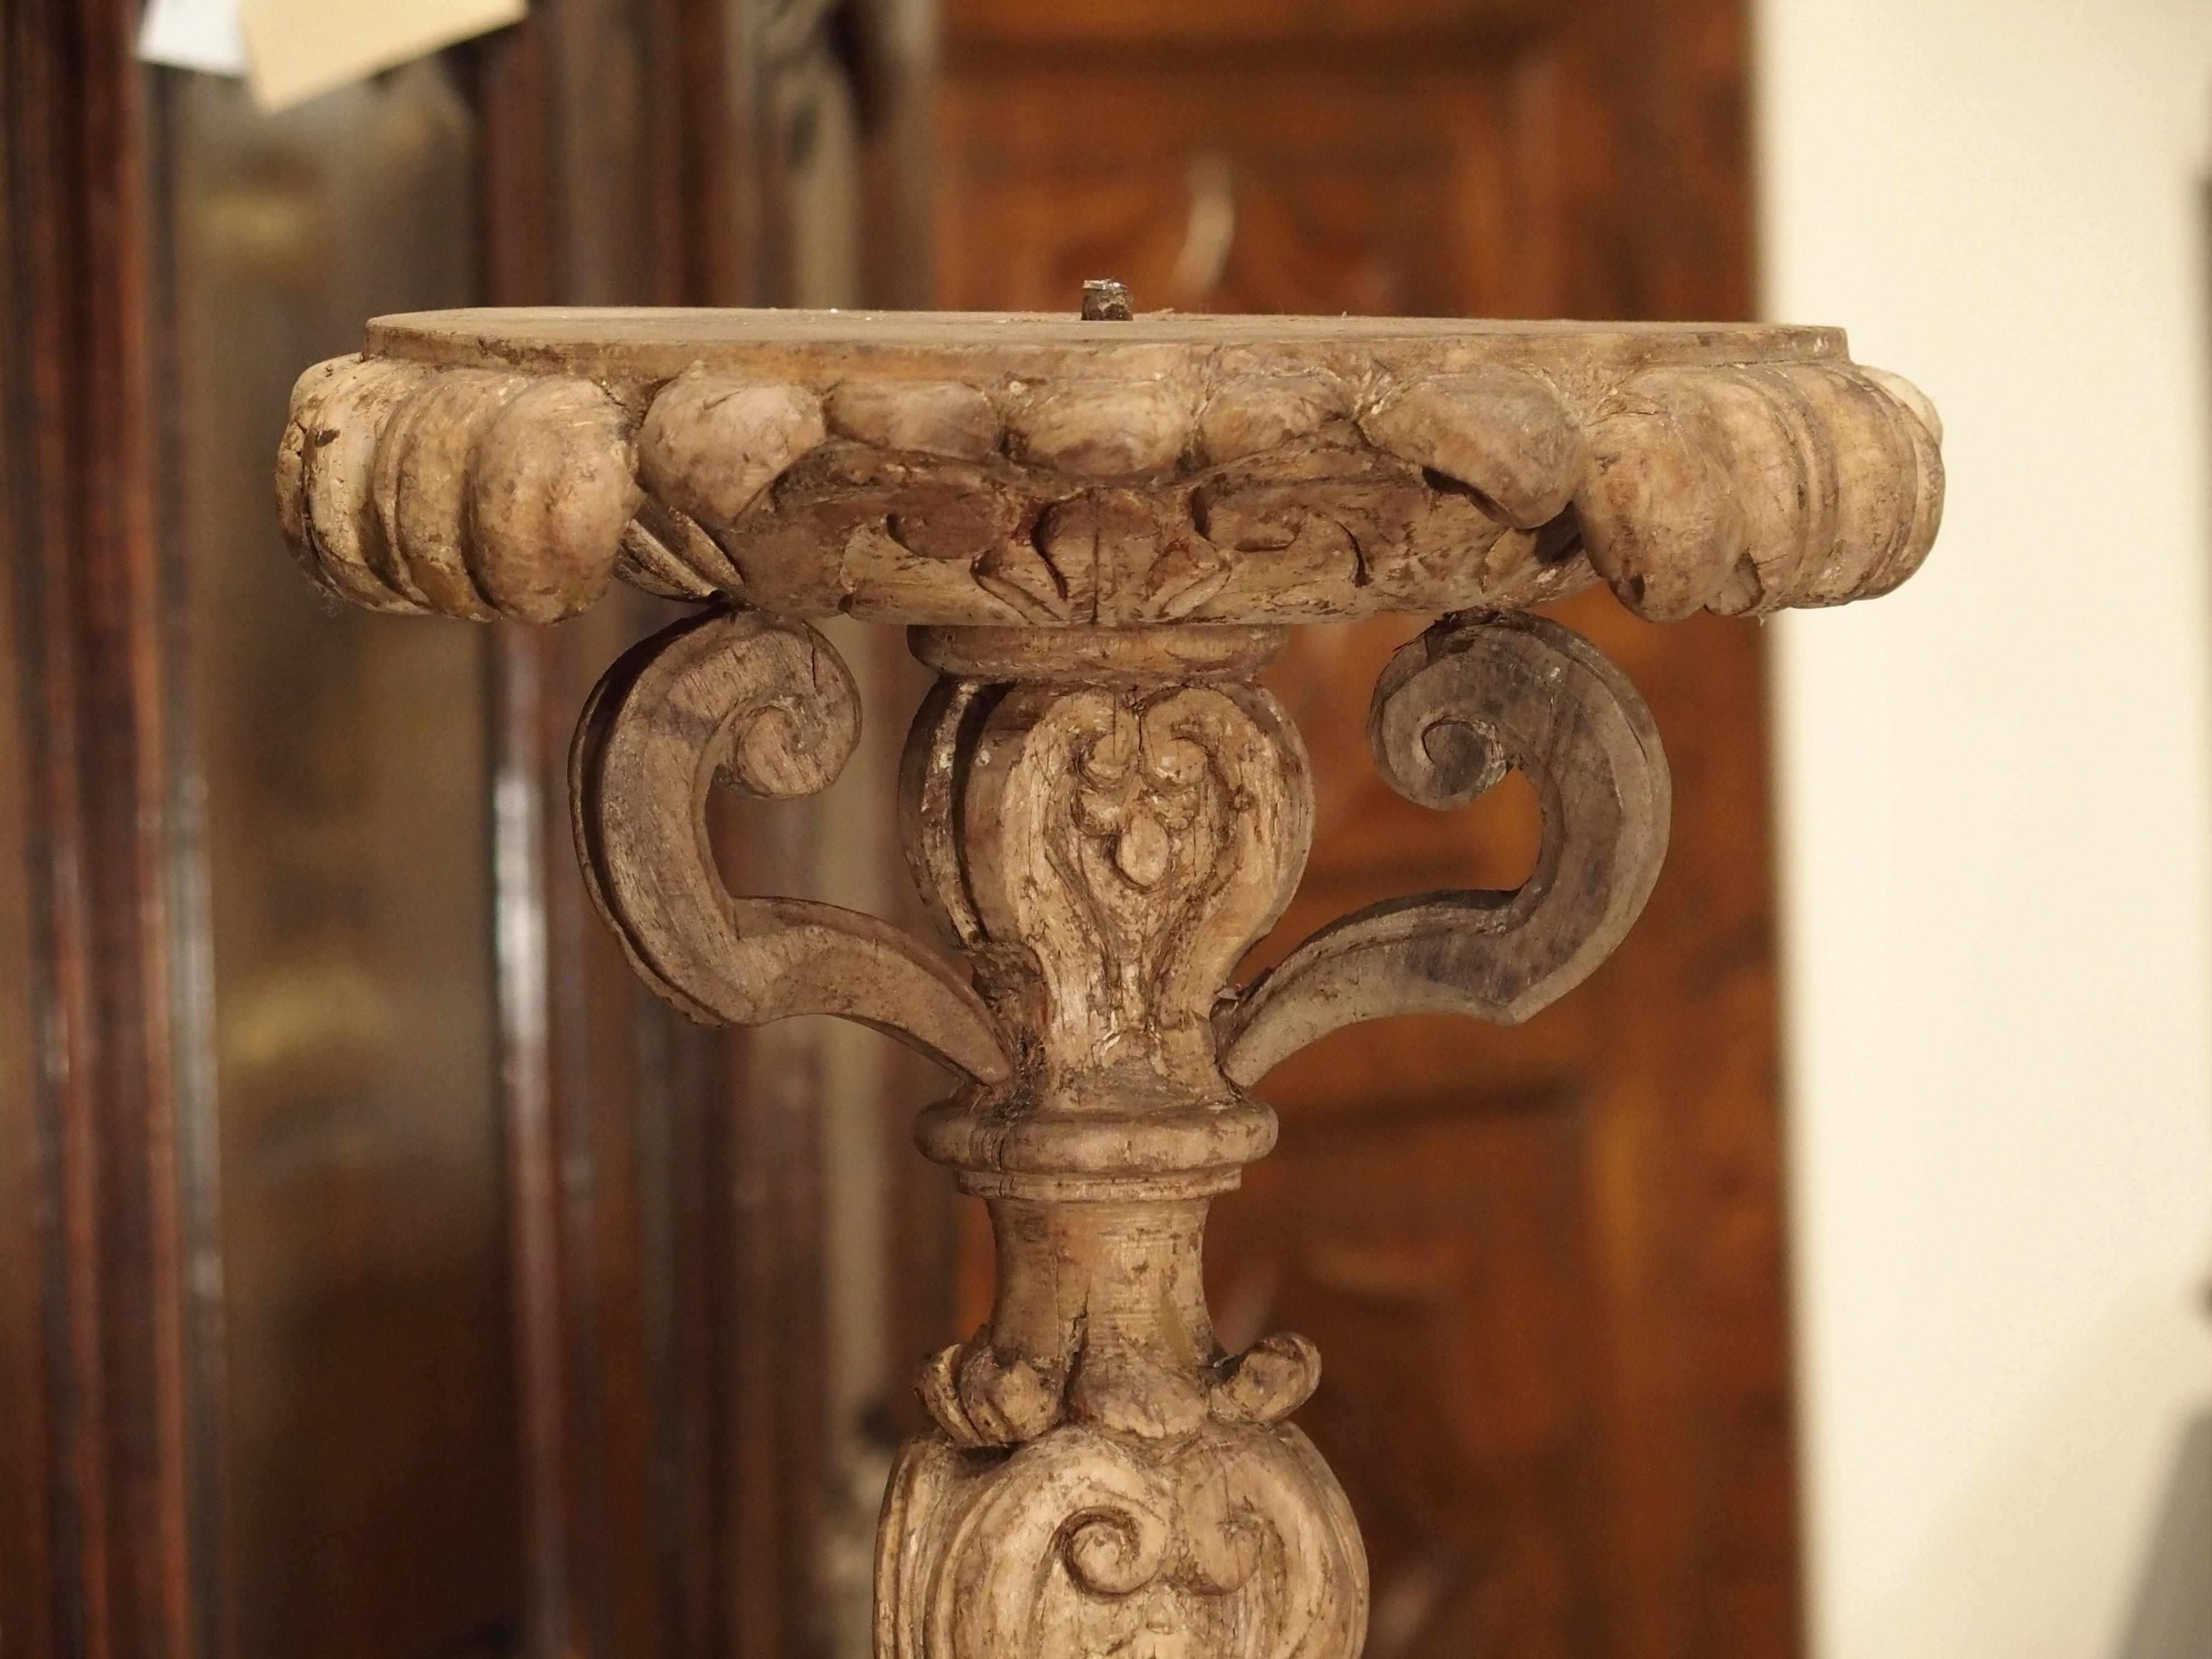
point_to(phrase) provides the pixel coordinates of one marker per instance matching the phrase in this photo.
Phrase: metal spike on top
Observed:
(1105, 301)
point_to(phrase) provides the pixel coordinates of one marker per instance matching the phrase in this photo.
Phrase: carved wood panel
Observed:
(1544, 1264)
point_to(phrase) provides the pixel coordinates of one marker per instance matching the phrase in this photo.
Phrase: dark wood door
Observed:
(1545, 1265)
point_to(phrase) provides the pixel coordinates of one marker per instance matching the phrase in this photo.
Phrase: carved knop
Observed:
(925, 417)
(764, 706)
(1251, 416)
(1101, 429)
(712, 443)
(1453, 710)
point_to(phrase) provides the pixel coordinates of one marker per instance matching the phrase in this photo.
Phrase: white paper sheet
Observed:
(194, 34)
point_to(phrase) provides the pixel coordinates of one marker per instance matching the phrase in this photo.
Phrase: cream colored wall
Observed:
(1996, 791)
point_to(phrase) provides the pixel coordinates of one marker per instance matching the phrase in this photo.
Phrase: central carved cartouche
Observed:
(1106, 855)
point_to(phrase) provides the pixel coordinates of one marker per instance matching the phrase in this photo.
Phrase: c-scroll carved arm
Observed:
(1473, 695)
(762, 705)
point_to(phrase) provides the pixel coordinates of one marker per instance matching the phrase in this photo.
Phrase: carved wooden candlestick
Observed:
(1097, 532)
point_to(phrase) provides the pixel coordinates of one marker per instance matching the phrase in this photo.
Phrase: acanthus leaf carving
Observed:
(762, 705)
(668, 555)
(979, 1396)
(1454, 709)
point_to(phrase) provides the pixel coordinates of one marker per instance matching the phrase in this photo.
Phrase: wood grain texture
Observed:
(1021, 470)
(108, 1550)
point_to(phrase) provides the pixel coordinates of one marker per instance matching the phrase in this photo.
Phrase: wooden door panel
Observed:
(1268, 188)
(1246, 24)
(1476, 1472)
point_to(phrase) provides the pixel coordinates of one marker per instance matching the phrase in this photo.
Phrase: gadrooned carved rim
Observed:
(929, 468)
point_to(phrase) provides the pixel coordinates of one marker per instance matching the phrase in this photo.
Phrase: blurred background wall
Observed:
(1998, 887)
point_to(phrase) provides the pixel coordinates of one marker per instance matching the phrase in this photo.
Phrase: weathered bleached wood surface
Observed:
(1031, 471)
(1096, 532)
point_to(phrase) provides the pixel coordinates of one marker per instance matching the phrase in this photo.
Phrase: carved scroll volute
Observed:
(764, 706)
(1472, 696)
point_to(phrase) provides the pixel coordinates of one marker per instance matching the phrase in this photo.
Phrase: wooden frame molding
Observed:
(111, 1550)
(1098, 532)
